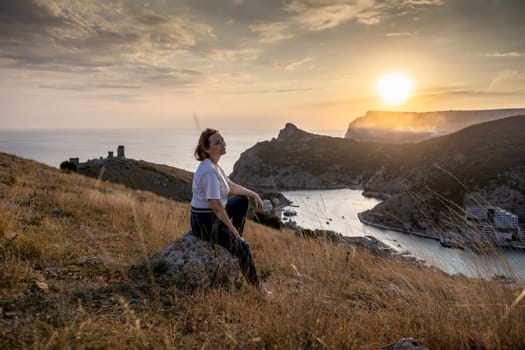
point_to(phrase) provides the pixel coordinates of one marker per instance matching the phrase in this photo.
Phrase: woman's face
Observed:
(217, 145)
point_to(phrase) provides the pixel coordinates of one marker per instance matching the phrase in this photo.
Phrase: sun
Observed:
(395, 88)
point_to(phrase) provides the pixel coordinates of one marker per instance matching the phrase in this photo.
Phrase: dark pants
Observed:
(206, 225)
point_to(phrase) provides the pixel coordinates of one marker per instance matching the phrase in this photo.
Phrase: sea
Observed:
(334, 209)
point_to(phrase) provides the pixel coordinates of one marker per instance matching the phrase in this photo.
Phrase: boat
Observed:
(448, 242)
(289, 212)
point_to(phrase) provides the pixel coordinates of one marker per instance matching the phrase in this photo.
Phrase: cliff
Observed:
(397, 127)
(426, 180)
(300, 160)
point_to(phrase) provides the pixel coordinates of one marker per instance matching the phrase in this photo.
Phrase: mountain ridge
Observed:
(485, 158)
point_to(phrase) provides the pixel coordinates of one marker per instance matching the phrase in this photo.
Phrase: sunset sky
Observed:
(251, 63)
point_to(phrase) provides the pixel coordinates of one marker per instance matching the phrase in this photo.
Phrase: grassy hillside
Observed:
(69, 244)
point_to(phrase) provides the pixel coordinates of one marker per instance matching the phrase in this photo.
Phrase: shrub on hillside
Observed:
(67, 165)
(267, 220)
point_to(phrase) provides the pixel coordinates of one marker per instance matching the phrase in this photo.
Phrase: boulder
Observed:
(191, 263)
(405, 344)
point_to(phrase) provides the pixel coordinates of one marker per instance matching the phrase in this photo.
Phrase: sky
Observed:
(251, 63)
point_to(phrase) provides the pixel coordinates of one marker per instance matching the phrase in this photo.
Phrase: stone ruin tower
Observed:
(120, 152)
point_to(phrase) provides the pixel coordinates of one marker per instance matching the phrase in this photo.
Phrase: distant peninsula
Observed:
(163, 180)
(397, 127)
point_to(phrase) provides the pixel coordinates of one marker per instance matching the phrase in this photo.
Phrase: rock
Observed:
(91, 260)
(405, 344)
(40, 286)
(301, 276)
(191, 263)
(291, 131)
(51, 272)
(11, 236)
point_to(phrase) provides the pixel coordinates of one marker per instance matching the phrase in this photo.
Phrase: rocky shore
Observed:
(350, 242)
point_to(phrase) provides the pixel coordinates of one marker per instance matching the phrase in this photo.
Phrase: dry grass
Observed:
(355, 300)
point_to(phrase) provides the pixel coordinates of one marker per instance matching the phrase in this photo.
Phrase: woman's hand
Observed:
(258, 202)
(235, 232)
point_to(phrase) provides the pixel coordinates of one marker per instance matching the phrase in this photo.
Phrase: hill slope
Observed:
(487, 158)
(69, 245)
(166, 181)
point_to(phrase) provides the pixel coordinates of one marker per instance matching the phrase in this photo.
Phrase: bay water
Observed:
(337, 210)
(321, 209)
(173, 147)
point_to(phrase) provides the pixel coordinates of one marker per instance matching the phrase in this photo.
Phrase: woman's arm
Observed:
(220, 212)
(238, 189)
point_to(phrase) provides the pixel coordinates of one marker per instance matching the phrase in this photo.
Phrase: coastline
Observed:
(307, 188)
(397, 229)
(518, 246)
(445, 240)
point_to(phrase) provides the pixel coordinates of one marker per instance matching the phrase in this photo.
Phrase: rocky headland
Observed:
(425, 185)
(163, 180)
(398, 127)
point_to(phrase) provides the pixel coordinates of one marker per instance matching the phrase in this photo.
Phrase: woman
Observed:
(214, 217)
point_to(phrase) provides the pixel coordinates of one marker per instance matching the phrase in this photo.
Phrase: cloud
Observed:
(281, 91)
(507, 80)
(247, 54)
(320, 15)
(76, 36)
(271, 32)
(422, 2)
(502, 90)
(504, 54)
(86, 87)
(293, 64)
(399, 34)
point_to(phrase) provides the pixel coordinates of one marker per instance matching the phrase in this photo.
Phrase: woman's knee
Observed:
(244, 200)
(239, 202)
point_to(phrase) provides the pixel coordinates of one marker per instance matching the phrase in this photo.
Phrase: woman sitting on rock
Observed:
(214, 217)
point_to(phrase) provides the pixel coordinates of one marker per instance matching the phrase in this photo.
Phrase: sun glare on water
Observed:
(395, 88)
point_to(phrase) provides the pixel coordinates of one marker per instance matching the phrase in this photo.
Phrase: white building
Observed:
(493, 222)
(267, 206)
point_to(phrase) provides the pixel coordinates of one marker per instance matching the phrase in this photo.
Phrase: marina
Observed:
(338, 210)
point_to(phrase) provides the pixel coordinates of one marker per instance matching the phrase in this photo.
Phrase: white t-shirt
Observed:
(209, 182)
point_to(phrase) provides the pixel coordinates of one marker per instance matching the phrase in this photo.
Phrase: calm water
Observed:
(331, 209)
(337, 210)
(173, 147)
